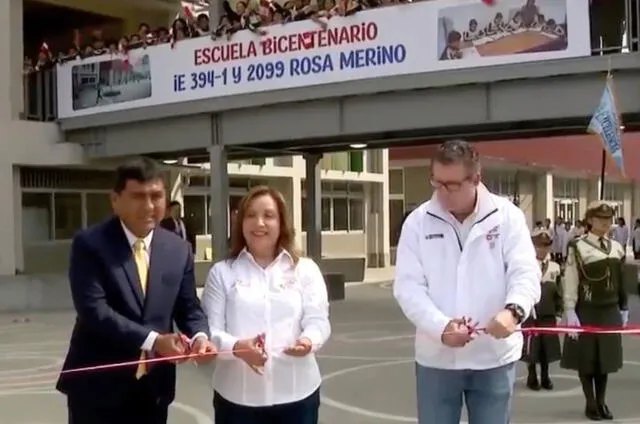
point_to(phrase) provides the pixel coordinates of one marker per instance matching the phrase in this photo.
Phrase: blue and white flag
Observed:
(605, 122)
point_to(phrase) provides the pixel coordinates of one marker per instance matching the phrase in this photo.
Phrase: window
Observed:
(195, 213)
(340, 214)
(50, 216)
(396, 212)
(326, 214)
(234, 204)
(36, 217)
(356, 214)
(342, 207)
(396, 181)
(617, 210)
(68, 215)
(284, 161)
(501, 183)
(352, 161)
(566, 188)
(614, 192)
(98, 207)
(356, 161)
(566, 209)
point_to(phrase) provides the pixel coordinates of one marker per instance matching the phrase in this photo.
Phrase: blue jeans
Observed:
(487, 394)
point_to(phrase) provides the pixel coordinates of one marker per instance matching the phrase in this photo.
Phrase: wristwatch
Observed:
(516, 311)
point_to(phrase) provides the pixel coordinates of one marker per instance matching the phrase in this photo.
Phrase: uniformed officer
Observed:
(594, 295)
(544, 349)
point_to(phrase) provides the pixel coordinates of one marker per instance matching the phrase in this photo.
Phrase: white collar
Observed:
(131, 238)
(282, 254)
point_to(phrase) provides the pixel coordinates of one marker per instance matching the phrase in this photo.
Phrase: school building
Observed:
(52, 203)
(547, 177)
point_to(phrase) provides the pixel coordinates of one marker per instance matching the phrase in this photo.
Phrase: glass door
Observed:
(567, 209)
(617, 210)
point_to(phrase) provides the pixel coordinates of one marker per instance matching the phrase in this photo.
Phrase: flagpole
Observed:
(603, 160)
(603, 168)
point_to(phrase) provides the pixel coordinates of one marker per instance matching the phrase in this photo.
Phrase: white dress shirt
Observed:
(131, 238)
(284, 301)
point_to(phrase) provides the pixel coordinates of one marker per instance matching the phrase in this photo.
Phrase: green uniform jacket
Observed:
(593, 287)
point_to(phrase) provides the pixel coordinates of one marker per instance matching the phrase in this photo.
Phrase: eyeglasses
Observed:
(450, 186)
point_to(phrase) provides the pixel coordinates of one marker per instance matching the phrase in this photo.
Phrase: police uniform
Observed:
(544, 349)
(593, 293)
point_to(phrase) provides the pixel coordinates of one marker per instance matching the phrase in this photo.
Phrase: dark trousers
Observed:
(304, 411)
(141, 406)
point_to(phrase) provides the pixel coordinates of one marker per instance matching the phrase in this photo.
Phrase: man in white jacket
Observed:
(465, 254)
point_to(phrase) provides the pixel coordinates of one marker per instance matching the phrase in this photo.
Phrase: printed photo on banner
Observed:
(111, 81)
(510, 27)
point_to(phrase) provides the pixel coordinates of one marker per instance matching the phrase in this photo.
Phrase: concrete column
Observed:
(11, 49)
(383, 190)
(377, 225)
(219, 191)
(627, 208)
(10, 227)
(314, 206)
(544, 197)
(583, 192)
(296, 208)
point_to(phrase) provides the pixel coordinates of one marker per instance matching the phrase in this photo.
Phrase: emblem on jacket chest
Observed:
(492, 236)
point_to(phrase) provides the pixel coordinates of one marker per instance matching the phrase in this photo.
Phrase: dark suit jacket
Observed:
(114, 318)
(170, 224)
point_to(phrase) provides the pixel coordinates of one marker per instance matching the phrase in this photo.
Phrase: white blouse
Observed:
(284, 301)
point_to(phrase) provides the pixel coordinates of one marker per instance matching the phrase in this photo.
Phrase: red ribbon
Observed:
(560, 329)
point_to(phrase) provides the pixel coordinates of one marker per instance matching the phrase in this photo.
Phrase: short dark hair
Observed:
(455, 152)
(141, 170)
(174, 203)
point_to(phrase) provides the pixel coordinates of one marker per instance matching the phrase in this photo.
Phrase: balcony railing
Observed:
(608, 36)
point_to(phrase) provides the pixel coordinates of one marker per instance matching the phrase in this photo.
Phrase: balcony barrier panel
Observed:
(614, 29)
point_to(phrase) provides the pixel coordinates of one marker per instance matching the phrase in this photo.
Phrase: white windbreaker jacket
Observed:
(438, 278)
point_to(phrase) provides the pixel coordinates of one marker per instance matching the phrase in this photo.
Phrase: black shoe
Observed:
(546, 384)
(532, 383)
(592, 413)
(604, 412)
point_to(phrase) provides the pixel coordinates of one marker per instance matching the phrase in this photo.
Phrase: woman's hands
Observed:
(252, 352)
(302, 347)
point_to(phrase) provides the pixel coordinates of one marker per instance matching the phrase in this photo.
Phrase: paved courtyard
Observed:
(368, 371)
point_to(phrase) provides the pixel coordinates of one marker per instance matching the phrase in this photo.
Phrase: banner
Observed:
(428, 36)
(605, 122)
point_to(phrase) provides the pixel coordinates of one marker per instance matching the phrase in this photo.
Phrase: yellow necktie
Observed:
(140, 257)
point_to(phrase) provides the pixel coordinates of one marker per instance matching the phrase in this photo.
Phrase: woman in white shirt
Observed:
(268, 312)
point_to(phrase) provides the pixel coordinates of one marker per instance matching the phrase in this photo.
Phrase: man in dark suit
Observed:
(130, 280)
(174, 223)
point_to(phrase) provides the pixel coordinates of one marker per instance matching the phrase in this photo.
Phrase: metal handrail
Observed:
(40, 98)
